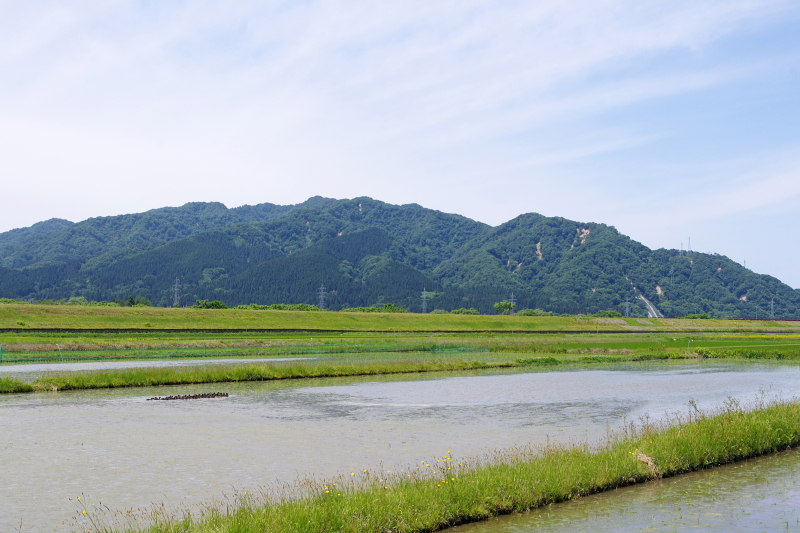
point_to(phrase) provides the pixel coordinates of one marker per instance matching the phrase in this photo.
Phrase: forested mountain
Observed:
(367, 252)
(18, 235)
(105, 239)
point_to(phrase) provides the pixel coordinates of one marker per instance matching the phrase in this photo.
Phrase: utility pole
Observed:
(321, 294)
(176, 293)
(513, 304)
(424, 301)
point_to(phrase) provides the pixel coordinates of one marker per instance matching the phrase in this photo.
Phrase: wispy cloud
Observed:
(484, 108)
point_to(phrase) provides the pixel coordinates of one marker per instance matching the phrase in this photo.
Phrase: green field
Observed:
(25, 316)
(372, 343)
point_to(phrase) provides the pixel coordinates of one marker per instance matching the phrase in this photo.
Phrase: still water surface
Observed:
(118, 448)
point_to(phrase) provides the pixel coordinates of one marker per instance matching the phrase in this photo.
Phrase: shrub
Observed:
(533, 312)
(607, 313)
(698, 316)
(280, 307)
(205, 304)
(462, 311)
(439, 312)
(386, 308)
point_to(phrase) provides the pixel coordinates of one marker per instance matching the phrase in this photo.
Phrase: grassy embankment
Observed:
(447, 491)
(24, 316)
(357, 352)
(337, 356)
(143, 377)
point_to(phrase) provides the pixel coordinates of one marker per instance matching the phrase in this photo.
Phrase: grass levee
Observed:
(364, 364)
(12, 385)
(445, 491)
(142, 377)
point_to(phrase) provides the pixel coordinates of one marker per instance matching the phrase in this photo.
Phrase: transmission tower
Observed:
(321, 294)
(627, 306)
(772, 309)
(176, 293)
(513, 304)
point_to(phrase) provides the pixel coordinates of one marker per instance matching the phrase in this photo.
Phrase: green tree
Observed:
(504, 307)
(205, 304)
(608, 313)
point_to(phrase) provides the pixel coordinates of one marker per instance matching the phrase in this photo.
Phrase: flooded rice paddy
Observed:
(119, 449)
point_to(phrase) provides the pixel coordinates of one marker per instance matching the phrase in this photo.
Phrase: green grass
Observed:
(348, 364)
(447, 491)
(12, 385)
(65, 316)
(141, 377)
(370, 353)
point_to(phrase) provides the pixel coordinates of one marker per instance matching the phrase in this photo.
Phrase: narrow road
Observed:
(652, 311)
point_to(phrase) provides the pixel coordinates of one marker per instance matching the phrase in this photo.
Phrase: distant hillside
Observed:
(16, 236)
(368, 252)
(61, 240)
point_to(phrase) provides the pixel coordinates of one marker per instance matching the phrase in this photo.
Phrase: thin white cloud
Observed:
(280, 100)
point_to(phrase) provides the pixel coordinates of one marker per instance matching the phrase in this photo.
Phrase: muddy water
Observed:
(116, 447)
(761, 494)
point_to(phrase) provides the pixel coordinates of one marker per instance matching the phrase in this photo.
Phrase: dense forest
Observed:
(368, 253)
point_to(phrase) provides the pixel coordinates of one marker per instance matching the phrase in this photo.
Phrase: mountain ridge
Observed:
(281, 254)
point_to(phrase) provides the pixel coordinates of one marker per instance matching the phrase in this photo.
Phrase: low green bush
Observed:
(533, 312)
(280, 307)
(608, 313)
(385, 308)
(205, 304)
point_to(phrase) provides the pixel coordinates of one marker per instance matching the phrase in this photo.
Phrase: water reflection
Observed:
(757, 495)
(115, 446)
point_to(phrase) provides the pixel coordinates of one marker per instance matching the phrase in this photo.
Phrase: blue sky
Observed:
(664, 119)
